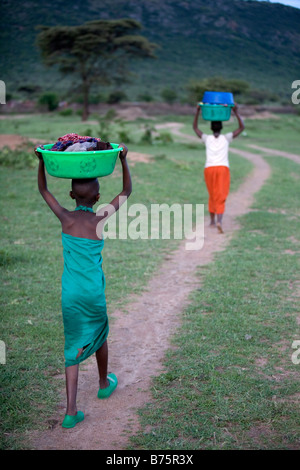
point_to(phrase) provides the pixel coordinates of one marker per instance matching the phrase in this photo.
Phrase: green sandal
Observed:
(106, 392)
(71, 421)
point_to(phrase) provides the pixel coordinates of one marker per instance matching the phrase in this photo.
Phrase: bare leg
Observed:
(219, 222)
(212, 218)
(71, 388)
(102, 360)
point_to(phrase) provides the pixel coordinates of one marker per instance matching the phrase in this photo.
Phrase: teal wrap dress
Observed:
(83, 299)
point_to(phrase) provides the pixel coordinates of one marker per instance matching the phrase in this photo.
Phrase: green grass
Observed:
(230, 382)
(280, 134)
(47, 127)
(31, 261)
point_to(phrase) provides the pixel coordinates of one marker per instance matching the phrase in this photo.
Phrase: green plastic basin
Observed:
(77, 165)
(216, 112)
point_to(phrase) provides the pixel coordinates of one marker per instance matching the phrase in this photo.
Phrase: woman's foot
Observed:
(106, 392)
(70, 421)
(212, 219)
(219, 223)
(219, 227)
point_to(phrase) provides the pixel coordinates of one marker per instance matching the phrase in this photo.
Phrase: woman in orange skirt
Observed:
(216, 171)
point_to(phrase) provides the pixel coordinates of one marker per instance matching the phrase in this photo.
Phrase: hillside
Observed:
(255, 41)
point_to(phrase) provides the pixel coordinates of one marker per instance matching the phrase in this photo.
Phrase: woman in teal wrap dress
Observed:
(83, 282)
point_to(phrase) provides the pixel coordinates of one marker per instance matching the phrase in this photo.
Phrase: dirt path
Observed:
(140, 335)
(279, 153)
(14, 141)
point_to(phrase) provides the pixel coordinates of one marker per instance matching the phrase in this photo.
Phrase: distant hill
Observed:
(255, 41)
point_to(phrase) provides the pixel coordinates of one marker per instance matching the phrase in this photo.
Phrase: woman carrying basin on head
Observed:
(216, 171)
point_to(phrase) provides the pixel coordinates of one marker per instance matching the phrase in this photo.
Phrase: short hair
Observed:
(85, 189)
(216, 126)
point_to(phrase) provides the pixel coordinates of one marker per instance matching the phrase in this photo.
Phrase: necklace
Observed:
(84, 208)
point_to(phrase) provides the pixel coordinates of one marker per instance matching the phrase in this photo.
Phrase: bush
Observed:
(147, 136)
(66, 112)
(18, 158)
(116, 97)
(110, 115)
(168, 95)
(146, 97)
(165, 137)
(105, 123)
(50, 100)
(124, 137)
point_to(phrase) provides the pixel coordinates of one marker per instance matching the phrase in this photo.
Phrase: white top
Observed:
(217, 149)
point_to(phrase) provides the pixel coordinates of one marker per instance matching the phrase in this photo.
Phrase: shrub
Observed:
(50, 100)
(147, 136)
(165, 137)
(116, 97)
(168, 95)
(145, 97)
(18, 158)
(110, 115)
(124, 137)
(66, 112)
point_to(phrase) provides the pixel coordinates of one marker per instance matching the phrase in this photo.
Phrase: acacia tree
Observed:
(94, 52)
(234, 85)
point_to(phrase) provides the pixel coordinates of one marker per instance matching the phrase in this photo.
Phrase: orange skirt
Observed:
(217, 179)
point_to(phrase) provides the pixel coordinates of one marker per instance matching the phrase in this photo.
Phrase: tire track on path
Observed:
(139, 334)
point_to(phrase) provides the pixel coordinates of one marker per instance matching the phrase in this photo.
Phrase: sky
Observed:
(292, 3)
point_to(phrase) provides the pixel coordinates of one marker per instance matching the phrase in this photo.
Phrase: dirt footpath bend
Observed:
(139, 337)
(279, 153)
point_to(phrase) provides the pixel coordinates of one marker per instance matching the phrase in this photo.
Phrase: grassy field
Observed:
(235, 343)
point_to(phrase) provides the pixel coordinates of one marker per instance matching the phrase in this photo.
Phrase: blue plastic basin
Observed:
(218, 97)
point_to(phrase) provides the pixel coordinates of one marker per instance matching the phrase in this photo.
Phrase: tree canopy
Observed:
(94, 52)
(197, 88)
